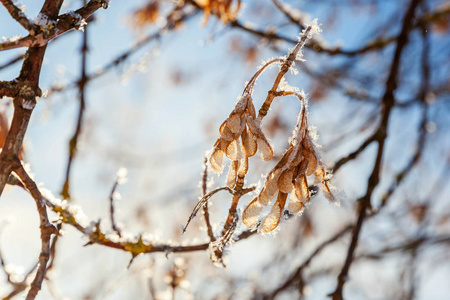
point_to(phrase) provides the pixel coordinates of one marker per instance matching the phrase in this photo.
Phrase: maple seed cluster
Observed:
(240, 138)
(289, 176)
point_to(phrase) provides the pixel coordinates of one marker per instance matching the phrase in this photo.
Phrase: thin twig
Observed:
(73, 143)
(202, 202)
(285, 10)
(205, 207)
(297, 275)
(111, 208)
(374, 45)
(422, 127)
(355, 153)
(12, 61)
(17, 14)
(65, 22)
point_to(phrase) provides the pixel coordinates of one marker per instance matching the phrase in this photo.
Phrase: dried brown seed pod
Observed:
(273, 219)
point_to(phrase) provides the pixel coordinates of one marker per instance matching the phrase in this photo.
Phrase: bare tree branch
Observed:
(47, 229)
(297, 275)
(17, 14)
(73, 143)
(51, 31)
(388, 102)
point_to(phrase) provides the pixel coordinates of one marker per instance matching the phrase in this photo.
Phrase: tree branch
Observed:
(297, 275)
(374, 45)
(388, 102)
(9, 88)
(205, 207)
(17, 14)
(47, 229)
(65, 23)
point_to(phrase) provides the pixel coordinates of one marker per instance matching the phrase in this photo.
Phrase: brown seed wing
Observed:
(216, 160)
(249, 145)
(232, 174)
(273, 219)
(295, 204)
(251, 213)
(270, 187)
(285, 181)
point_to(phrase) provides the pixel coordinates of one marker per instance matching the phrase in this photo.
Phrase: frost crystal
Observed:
(122, 175)
(307, 33)
(81, 22)
(284, 85)
(315, 28)
(11, 39)
(28, 104)
(43, 22)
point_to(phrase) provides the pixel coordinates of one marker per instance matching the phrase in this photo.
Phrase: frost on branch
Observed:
(44, 23)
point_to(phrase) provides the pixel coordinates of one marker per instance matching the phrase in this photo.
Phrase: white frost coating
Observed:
(74, 15)
(250, 25)
(285, 86)
(11, 39)
(116, 195)
(42, 21)
(50, 197)
(315, 28)
(113, 237)
(81, 22)
(307, 33)
(122, 175)
(77, 212)
(28, 104)
(293, 69)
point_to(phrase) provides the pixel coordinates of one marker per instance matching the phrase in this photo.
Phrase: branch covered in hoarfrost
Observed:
(46, 30)
(73, 215)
